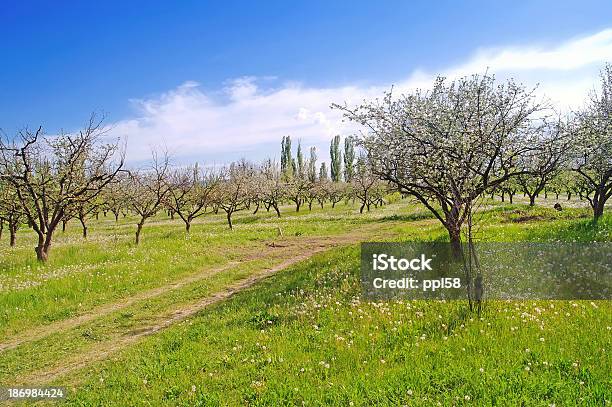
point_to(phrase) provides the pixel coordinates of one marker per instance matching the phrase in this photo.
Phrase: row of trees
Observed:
(47, 181)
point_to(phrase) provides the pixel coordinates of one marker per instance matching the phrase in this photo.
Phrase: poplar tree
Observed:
(349, 159)
(312, 165)
(323, 172)
(336, 159)
(300, 160)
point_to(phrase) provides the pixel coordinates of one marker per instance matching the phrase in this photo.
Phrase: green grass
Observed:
(108, 266)
(304, 335)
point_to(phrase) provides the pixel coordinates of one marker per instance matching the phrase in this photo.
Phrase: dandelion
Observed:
(409, 392)
(527, 368)
(193, 388)
(481, 370)
(541, 339)
(467, 398)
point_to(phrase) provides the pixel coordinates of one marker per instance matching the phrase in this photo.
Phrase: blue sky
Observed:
(163, 71)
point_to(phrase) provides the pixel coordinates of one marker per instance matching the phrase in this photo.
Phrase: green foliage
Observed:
(349, 159)
(336, 159)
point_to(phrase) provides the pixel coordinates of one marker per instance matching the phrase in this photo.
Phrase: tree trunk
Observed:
(598, 204)
(1, 227)
(43, 247)
(187, 225)
(13, 232)
(229, 220)
(511, 196)
(597, 212)
(64, 223)
(256, 209)
(532, 200)
(138, 230)
(277, 211)
(84, 227)
(41, 255)
(454, 234)
(297, 205)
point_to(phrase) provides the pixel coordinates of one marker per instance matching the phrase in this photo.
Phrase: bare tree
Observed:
(335, 191)
(11, 211)
(297, 190)
(546, 162)
(365, 185)
(49, 174)
(114, 197)
(147, 190)
(448, 145)
(592, 136)
(271, 186)
(191, 193)
(234, 189)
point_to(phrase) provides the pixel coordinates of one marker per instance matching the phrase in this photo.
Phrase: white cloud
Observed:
(245, 118)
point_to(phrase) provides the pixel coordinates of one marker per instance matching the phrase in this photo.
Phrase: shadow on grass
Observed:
(579, 230)
(411, 217)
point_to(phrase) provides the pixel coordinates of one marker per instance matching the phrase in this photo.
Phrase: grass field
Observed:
(252, 317)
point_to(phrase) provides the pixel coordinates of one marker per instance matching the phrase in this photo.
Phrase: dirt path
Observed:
(100, 311)
(288, 251)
